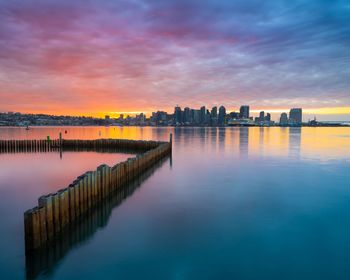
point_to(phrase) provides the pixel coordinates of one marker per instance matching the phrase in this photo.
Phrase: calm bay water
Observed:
(244, 203)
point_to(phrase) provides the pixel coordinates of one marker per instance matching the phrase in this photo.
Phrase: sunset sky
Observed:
(98, 57)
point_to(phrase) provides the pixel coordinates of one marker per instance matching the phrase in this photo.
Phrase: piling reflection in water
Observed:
(44, 260)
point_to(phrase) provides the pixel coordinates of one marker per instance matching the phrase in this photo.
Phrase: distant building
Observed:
(207, 117)
(214, 112)
(187, 115)
(284, 119)
(268, 117)
(234, 115)
(295, 116)
(222, 115)
(244, 112)
(196, 116)
(107, 117)
(202, 115)
(177, 115)
(262, 116)
(160, 118)
(214, 116)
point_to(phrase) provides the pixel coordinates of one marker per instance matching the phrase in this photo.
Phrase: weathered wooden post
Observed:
(32, 229)
(64, 207)
(94, 188)
(46, 202)
(76, 186)
(71, 193)
(42, 220)
(89, 189)
(56, 213)
(81, 194)
(60, 138)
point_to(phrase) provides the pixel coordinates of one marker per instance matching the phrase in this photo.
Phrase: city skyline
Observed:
(112, 57)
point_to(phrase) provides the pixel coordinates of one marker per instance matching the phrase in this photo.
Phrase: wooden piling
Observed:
(46, 202)
(64, 207)
(32, 229)
(71, 193)
(56, 213)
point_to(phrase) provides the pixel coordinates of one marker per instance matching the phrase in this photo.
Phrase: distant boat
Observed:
(27, 128)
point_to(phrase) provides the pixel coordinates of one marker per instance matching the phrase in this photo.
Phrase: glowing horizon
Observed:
(107, 57)
(308, 111)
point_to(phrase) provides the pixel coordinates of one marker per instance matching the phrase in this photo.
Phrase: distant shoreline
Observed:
(181, 126)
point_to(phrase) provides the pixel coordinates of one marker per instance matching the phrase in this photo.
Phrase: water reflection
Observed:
(45, 260)
(294, 142)
(262, 190)
(243, 141)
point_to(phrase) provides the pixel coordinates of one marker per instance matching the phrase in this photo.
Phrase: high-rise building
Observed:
(187, 115)
(295, 116)
(207, 117)
(268, 117)
(262, 116)
(284, 119)
(202, 115)
(177, 115)
(244, 112)
(214, 116)
(214, 112)
(222, 115)
(196, 116)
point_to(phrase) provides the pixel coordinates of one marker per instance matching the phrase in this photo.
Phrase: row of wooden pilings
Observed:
(28, 146)
(47, 257)
(55, 212)
(18, 146)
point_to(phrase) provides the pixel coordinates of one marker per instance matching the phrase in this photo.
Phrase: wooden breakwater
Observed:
(57, 211)
(45, 259)
(30, 146)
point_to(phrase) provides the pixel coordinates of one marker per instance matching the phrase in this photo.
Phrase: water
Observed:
(244, 203)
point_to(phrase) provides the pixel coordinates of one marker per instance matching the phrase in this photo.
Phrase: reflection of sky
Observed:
(106, 56)
(274, 199)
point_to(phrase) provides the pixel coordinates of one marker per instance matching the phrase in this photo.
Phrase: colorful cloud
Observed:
(89, 57)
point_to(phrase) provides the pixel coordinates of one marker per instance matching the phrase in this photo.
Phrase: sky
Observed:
(101, 57)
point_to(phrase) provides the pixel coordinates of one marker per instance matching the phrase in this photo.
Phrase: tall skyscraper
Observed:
(244, 112)
(187, 115)
(268, 117)
(222, 115)
(284, 119)
(262, 116)
(214, 116)
(202, 115)
(296, 116)
(196, 116)
(177, 115)
(214, 112)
